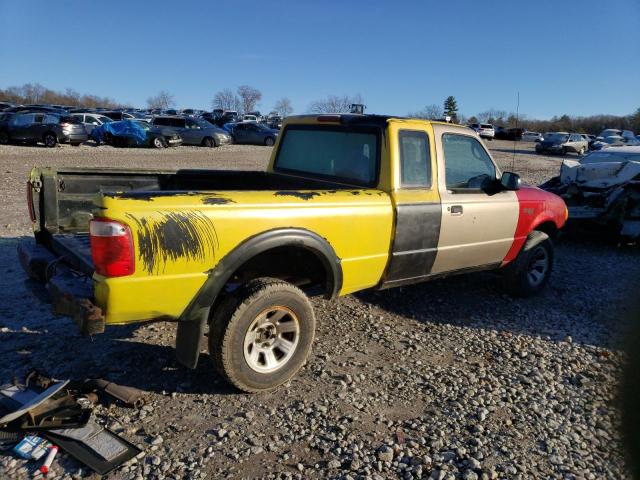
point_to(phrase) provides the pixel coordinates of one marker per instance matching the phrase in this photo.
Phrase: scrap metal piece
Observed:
(130, 396)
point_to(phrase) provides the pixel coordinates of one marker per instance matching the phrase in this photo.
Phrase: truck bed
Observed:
(75, 249)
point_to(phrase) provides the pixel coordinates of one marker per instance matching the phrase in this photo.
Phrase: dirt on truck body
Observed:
(349, 202)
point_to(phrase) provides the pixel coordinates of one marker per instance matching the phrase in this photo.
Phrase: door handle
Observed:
(456, 209)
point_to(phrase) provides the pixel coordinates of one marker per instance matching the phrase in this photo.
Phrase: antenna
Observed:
(513, 158)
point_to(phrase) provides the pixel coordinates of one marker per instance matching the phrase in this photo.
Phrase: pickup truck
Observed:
(348, 202)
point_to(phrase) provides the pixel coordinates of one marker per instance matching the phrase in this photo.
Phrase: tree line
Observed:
(247, 98)
(592, 124)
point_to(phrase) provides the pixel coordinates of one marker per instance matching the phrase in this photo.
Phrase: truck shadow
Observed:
(587, 298)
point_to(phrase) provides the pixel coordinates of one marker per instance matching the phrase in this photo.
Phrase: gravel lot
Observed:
(443, 380)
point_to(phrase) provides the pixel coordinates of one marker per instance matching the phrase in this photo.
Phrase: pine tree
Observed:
(451, 108)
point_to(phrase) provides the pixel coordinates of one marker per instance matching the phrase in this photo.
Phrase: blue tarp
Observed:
(124, 128)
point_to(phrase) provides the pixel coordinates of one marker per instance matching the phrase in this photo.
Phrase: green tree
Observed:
(451, 108)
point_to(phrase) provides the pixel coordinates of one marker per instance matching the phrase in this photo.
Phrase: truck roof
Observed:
(366, 119)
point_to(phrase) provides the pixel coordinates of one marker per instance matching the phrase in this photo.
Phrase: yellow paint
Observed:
(357, 223)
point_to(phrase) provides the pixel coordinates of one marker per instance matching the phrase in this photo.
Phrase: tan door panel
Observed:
(476, 228)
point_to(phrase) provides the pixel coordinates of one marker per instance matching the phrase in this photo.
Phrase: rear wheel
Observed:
(528, 274)
(49, 140)
(159, 143)
(209, 142)
(261, 335)
(269, 141)
(4, 138)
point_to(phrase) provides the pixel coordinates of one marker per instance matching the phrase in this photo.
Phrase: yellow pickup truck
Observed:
(348, 202)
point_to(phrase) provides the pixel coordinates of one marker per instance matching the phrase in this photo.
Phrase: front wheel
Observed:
(4, 138)
(269, 141)
(209, 142)
(159, 143)
(261, 335)
(528, 274)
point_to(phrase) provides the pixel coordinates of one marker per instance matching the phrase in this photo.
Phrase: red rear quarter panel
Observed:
(536, 207)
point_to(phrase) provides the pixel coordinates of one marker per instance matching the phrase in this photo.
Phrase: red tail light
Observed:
(32, 210)
(111, 248)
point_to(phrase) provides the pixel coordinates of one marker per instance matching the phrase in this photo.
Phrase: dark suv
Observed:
(194, 131)
(48, 128)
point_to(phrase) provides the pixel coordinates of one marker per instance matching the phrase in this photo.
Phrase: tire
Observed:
(244, 329)
(49, 140)
(76, 144)
(564, 151)
(4, 138)
(529, 273)
(158, 142)
(209, 142)
(269, 141)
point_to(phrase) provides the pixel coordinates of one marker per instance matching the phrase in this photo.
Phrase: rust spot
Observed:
(297, 194)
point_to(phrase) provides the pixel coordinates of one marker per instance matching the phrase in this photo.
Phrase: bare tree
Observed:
(249, 97)
(227, 100)
(283, 107)
(163, 100)
(430, 112)
(33, 92)
(335, 104)
(492, 116)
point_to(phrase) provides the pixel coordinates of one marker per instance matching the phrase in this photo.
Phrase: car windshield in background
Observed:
(203, 123)
(104, 119)
(142, 124)
(605, 157)
(344, 155)
(556, 137)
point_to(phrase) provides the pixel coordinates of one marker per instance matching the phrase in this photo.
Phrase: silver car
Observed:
(91, 120)
(562, 143)
(194, 131)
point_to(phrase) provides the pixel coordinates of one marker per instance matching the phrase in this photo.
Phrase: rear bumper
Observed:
(71, 294)
(75, 137)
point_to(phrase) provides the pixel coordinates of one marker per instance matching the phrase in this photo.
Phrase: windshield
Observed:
(142, 124)
(203, 123)
(604, 157)
(104, 119)
(556, 137)
(343, 154)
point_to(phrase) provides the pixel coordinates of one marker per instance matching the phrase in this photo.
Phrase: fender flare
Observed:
(281, 237)
(191, 323)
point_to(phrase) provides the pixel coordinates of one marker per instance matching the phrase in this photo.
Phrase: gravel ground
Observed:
(443, 380)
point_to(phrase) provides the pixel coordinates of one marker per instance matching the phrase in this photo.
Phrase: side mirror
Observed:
(510, 181)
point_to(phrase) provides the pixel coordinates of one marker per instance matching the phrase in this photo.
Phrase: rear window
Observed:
(486, 125)
(337, 153)
(70, 119)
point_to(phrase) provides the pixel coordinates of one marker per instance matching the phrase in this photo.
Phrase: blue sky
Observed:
(570, 56)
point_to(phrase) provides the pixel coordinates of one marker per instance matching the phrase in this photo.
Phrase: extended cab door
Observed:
(477, 228)
(416, 203)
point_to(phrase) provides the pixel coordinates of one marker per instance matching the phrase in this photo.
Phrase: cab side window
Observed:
(415, 159)
(468, 166)
(191, 123)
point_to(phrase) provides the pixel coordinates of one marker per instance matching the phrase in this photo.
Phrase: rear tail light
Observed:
(111, 248)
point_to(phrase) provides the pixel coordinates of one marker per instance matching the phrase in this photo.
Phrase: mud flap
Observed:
(189, 338)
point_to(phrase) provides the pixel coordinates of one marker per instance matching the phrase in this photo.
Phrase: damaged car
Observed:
(135, 133)
(603, 188)
(562, 143)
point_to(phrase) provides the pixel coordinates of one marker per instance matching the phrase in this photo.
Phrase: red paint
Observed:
(536, 207)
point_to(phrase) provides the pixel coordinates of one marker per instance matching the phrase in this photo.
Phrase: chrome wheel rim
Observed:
(270, 142)
(49, 141)
(538, 266)
(271, 339)
(158, 143)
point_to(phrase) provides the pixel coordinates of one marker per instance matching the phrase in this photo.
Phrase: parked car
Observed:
(194, 131)
(242, 251)
(531, 136)
(91, 120)
(135, 133)
(229, 116)
(48, 128)
(562, 143)
(250, 118)
(254, 134)
(485, 130)
(5, 105)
